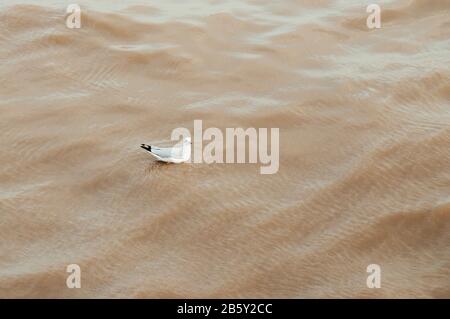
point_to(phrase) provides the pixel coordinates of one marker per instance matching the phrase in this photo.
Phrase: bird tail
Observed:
(146, 147)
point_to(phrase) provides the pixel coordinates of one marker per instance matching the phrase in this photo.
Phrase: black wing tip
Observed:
(146, 147)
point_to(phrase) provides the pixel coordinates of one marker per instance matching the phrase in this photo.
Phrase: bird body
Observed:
(179, 153)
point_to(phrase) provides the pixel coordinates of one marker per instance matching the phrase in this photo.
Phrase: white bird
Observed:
(180, 153)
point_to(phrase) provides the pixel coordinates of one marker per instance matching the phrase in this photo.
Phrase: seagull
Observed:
(180, 153)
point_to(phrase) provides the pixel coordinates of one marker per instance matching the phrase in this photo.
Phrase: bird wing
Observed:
(166, 152)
